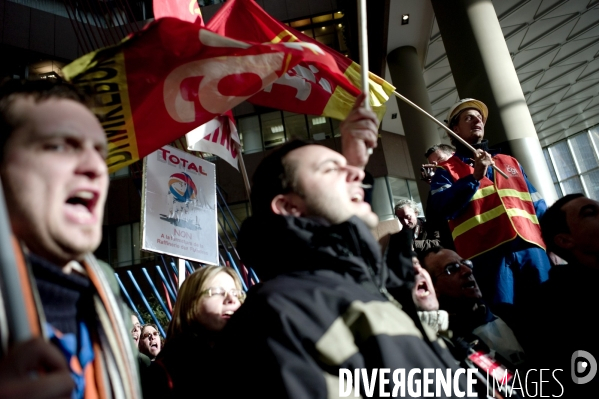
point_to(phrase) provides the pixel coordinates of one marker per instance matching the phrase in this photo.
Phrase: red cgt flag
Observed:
(185, 10)
(310, 87)
(172, 77)
(218, 136)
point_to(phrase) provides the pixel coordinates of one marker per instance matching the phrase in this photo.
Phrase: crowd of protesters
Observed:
(329, 299)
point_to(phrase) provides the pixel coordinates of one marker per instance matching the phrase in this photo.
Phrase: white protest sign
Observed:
(179, 206)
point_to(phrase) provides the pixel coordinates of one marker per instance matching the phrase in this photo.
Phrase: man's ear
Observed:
(564, 240)
(287, 205)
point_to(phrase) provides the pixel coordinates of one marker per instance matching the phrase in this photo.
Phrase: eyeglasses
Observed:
(220, 291)
(455, 267)
(148, 335)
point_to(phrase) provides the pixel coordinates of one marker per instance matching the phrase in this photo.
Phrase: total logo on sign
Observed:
(183, 202)
(182, 187)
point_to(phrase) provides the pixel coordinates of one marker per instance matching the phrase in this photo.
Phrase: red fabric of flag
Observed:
(169, 79)
(305, 89)
(218, 136)
(185, 10)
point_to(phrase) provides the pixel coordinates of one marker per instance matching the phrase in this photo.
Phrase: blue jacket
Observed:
(449, 198)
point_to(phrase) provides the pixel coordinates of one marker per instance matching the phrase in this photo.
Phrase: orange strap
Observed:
(30, 307)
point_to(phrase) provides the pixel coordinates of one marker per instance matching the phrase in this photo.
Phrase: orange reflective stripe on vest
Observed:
(497, 213)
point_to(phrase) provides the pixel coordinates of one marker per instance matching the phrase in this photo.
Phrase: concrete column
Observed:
(482, 68)
(421, 133)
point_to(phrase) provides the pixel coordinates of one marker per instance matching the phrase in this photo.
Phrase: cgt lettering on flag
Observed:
(313, 87)
(171, 78)
(300, 78)
(214, 85)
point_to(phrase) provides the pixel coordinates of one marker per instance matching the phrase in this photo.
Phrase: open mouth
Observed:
(83, 198)
(82, 204)
(469, 284)
(357, 198)
(422, 289)
(228, 314)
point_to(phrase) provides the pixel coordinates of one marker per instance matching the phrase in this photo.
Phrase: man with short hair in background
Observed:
(439, 153)
(408, 214)
(435, 155)
(55, 181)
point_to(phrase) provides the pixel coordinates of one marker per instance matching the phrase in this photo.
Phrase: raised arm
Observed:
(359, 132)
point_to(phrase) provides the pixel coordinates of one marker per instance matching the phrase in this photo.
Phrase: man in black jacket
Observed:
(323, 310)
(559, 336)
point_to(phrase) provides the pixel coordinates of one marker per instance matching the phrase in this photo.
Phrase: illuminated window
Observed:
(326, 29)
(574, 164)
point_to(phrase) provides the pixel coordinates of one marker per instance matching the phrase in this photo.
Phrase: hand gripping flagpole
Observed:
(448, 130)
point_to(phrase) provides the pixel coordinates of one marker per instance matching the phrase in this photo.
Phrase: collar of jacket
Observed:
(465, 321)
(463, 152)
(275, 244)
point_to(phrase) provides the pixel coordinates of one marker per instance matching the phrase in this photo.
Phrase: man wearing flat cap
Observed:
(493, 220)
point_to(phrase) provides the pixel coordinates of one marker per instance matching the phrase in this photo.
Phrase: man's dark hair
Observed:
(456, 118)
(39, 90)
(274, 176)
(446, 148)
(427, 252)
(554, 222)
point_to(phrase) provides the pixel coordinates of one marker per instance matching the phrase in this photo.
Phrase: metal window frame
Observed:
(576, 163)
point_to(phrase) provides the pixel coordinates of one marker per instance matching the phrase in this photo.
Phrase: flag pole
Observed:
(244, 173)
(14, 301)
(363, 43)
(181, 271)
(448, 130)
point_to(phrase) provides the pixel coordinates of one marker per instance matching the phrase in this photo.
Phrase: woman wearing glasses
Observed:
(205, 302)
